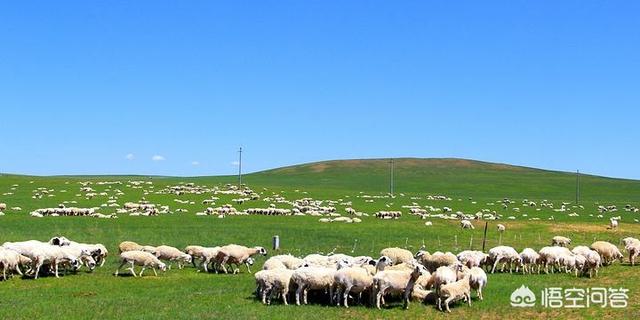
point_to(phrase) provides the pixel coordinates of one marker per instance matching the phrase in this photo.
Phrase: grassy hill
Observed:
(454, 177)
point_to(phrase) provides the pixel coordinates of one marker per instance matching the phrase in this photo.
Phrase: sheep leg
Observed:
(55, 269)
(120, 267)
(142, 270)
(248, 270)
(480, 293)
(305, 292)
(446, 303)
(224, 260)
(299, 293)
(338, 295)
(346, 296)
(4, 273)
(495, 264)
(205, 264)
(154, 271)
(439, 303)
(133, 271)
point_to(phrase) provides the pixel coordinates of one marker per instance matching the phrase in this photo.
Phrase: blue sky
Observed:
(97, 87)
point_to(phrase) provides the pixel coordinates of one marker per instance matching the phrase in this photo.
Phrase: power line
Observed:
(391, 167)
(577, 186)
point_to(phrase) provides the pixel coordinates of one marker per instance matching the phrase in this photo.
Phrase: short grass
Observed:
(187, 294)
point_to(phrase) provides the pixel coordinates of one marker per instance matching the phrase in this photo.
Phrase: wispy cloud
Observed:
(130, 156)
(157, 158)
(195, 163)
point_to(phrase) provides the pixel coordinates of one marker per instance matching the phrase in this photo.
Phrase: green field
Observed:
(187, 294)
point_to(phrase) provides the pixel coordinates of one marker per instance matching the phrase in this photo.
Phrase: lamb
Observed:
(3, 206)
(466, 224)
(236, 254)
(140, 258)
(460, 289)
(273, 281)
(443, 276)
(11, 260)
(172, 254)
(501, 228)
(397, 255)
(529, 259)
(607, 251)
(504, 255)
(613, 223)
(312, 278)
(418, 271)
(477, 279)
(560, 241)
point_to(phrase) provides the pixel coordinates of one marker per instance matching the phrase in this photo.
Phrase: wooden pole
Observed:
(484, 238)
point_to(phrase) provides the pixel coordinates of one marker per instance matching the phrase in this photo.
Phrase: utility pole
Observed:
(240, 168)
(391, 176)
(577, 186)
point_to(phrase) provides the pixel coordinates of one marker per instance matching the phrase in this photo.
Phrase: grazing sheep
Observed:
(129, 246)
(351, 280)
(436, 260)
(312, 278)
(466, 224)
(236, 254)
(607, 251)
(551, 256)
(451, 292)
(472, 258)
(504, 255)
(529, 259)
(560, 241)
(140, 258)
(390, 282)
(11, 260)
(289, 261)
(397, 255)
(592, 263)
(632, 245)
(172, 254)
(501, 228)
(272, 264)
(276, 281)
(3, 206)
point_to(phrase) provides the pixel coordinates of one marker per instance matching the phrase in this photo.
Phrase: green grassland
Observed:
(187, 294)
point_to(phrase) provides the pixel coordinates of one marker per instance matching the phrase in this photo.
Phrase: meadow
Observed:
(187, 294)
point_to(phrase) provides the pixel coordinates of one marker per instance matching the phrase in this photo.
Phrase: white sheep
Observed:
(236, 254)
(397, 255)
(418, 272)
(351, 280)
(140, 258)
(273, 281)
(466, 224)
(443, 276)
(390, 282)
(632, 245)
(560, 241)
(504, 255)
(607, 251)
(551, 256)
(477, 279)
(529, 259)
(451, 292)
(312, 278)
(501, 228)
(172, 254)
(11, 260)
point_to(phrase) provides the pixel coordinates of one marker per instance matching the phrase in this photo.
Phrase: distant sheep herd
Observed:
(439, 278)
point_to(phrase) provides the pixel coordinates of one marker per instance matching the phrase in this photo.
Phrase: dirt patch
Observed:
(320, 167)
(594, 228)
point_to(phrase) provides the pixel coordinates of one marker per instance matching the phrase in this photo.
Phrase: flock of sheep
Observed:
(440, 278)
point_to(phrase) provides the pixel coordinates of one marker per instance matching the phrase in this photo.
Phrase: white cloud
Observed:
(195, 163)
(130, 156)
(157, 158)
(235, 163)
